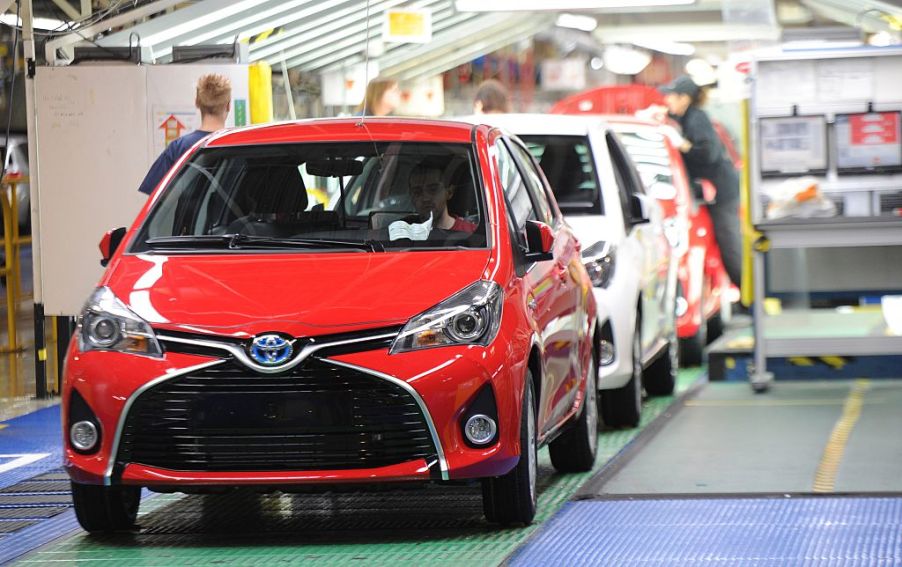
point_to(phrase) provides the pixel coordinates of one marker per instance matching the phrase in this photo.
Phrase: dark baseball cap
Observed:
(681, 85)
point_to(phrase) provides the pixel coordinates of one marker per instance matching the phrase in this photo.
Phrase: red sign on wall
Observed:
(874, 129)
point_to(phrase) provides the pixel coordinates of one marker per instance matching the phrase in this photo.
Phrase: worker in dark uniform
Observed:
(214, 100)
(706, 158)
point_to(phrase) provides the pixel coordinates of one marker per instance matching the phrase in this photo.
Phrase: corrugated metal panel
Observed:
(314, 35)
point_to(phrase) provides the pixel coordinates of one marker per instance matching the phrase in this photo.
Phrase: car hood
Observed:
(297, 294)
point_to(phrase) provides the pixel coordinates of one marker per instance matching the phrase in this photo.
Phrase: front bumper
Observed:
(442, 381)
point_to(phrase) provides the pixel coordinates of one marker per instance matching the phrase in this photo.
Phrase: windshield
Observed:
(648, 151)
(360, 196)
(568, 165)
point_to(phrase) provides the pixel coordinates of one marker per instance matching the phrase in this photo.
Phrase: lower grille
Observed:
(317, 417)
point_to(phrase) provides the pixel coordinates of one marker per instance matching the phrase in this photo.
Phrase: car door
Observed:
(541, 281)
(570, 301)
(644, 240)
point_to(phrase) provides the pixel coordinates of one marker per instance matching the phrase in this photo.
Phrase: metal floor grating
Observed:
(773, 532)
(433, 525)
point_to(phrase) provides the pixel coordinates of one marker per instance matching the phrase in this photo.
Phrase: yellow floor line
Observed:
(770, 403)
(825, 478)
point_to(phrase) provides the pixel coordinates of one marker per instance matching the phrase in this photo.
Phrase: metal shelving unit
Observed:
(817, 332)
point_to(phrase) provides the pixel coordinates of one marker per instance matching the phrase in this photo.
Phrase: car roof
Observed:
(538, 124)
(351, 129)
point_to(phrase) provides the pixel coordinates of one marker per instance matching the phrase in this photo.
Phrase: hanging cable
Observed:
(366, 64)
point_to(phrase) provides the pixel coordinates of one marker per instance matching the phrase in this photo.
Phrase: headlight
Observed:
(107, 324)
(599, 260)
(470, 317)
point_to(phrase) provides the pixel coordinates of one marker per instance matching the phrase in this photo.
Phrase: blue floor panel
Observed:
(735, 532)
(36, 433)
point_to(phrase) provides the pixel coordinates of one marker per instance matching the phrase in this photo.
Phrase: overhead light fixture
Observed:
(880, 39)
(665, 46)
(39, 23)
(623, 60)
(596, 63)
(577, 22)
(702, 72)
(534, 5)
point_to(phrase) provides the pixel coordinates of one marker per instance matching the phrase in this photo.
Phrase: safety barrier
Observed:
(12, 266)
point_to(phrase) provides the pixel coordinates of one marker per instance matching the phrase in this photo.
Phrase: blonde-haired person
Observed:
(383, 96)
(214, 100)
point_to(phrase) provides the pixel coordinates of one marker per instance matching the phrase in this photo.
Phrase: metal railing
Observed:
(12, 265)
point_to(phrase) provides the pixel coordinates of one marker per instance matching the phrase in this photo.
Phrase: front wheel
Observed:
(660, 377)
(574, 451)
(622, 407)
(106, 508)
(511, 499)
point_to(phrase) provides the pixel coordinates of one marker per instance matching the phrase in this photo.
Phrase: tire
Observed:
(575, 450)
(511, 499)
(622, 407)
(660, 377)
(715, 327)
(692, 348)
(106, 508)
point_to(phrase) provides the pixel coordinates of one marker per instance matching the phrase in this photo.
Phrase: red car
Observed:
(702, 280)
(426, 318)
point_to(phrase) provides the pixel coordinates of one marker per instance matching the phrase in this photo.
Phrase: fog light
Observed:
(605, 353)
(83, 435)
(480, 429)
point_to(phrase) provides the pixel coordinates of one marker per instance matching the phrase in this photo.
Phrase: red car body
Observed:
(345, 309)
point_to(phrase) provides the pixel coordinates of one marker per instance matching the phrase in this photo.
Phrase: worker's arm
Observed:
(158, 170)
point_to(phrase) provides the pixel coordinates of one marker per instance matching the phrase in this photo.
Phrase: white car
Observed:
(624, 248)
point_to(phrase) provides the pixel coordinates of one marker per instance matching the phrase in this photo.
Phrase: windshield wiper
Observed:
(189, 241)
(238, 240)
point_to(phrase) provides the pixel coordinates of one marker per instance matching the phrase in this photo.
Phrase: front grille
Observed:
(317, 417)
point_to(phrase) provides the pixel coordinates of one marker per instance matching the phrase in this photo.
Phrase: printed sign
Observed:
(868, 141)
(407, 26)
(170, 123)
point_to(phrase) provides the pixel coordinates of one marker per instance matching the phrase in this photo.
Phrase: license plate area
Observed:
(291, 412)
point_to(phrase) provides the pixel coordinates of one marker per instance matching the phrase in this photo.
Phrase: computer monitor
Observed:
(793, 145)
(868, 142)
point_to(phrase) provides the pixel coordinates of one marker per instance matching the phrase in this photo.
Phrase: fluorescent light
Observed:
(39, 23)
(577, 22)
(666, 46)
(533, 5)
(625, 60)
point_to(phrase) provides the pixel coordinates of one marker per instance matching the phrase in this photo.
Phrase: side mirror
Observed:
(109, 243)
(705, 191)
(662, 191)
(640, 206)
(539, 242)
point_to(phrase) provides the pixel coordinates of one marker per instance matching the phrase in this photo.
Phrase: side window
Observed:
(534, 184)
(623, 175)
(521, 208)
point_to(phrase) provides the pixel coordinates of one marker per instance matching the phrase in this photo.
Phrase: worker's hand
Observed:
(655, 113)
(685, 146)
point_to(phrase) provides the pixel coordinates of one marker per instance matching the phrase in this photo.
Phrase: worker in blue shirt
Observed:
(214, 100)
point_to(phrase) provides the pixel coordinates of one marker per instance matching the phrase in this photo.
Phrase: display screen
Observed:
(869, 142)
(793, 145)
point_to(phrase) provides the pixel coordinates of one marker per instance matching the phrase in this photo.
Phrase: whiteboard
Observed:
(96, 139)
